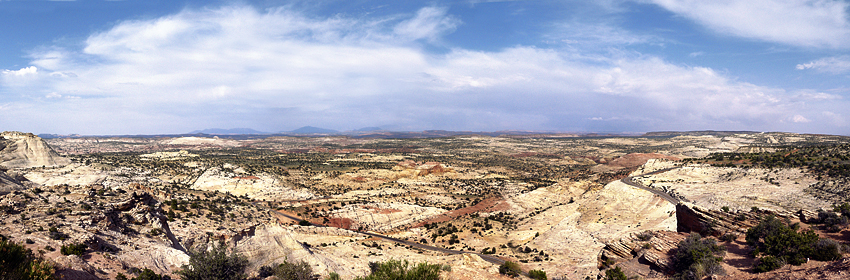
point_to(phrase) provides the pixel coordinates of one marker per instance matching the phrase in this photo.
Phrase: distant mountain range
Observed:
(377, 132)
(311, 130)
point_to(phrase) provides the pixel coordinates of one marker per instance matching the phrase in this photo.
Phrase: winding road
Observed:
(631, 182)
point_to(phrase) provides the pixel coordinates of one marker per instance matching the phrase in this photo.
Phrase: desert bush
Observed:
(615, 274)
(402, 270)
(18, 262)
(333, 276)
(728, 237)
(214, 264)
(510, 268)
(148, 274)
(73, 249)
(844, 209)
(537, 275)
(294, 271)
(768, 263)
(645, 236)
(772, 237)
(826, 250)
(697, 258)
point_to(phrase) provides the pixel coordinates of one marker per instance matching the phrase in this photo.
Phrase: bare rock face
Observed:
(739, 189)
(25, 150)
(257, 186)
(655, 247)
(383, 217)
(7, 183)
(835, 190)
(693, 218)
(76, 268)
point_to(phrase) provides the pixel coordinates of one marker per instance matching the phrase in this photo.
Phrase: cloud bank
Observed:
(834, 65)
(803, 23)
(278, 69)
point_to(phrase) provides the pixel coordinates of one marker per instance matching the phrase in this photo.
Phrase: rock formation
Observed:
(835, 190)
(25, 150)
(693, 218)
(7, 183)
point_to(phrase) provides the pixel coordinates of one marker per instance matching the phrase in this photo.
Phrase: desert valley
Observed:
(572, 206)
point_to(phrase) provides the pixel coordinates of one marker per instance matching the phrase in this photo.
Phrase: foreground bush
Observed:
(402, 270)
(615, 274)
(214, 264)
(537, 275)
(18, 262)
(510, 268)
(289, 271)
(768, 263)
(773, 238)
(73, 249)
(697, 258)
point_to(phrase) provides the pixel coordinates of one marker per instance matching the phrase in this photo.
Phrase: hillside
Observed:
(572, 207)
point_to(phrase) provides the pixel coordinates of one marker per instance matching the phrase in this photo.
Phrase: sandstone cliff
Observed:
(25, 150)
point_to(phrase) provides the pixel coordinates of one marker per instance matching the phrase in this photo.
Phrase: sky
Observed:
(165, 67)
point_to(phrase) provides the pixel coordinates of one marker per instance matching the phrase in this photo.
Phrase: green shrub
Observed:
(18, 262)
(304, 223)
(510, 268)
(265, 271)
(772, 237)
(293, 271)
(768, 263)
(73, 249)
(826, 250)
(402, 270)
(615, 274)
(537, 275)
(645, 236)
(148, 274)
(697, 258)
(333, 276)
(214, 264)
(728, 237)
(844, 209)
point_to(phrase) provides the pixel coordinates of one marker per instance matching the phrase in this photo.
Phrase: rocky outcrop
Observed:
(638, 159)
(693, 218)
(7, 183)
(25, 150)
(412, 168)
(738, 189)
(383, 217)
(653, 247)
(256, 186)
(835, 190)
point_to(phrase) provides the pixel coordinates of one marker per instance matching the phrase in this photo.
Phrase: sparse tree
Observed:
(214, 264)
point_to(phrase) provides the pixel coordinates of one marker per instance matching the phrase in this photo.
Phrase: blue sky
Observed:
(151, 67)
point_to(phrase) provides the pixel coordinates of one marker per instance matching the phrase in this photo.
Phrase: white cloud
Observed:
(280, 69)
(31, 70)
(799, 119)
(599, 34)
(806, 23)
(834, 65)
(429, 24)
